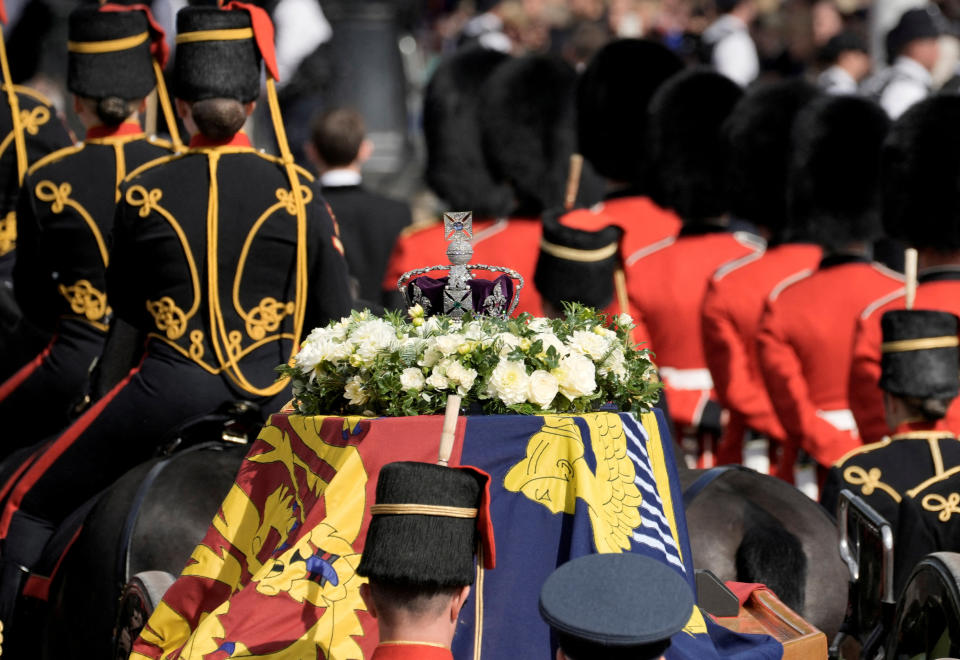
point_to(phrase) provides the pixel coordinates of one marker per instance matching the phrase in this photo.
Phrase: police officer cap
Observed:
(615, 602)
(914, 24)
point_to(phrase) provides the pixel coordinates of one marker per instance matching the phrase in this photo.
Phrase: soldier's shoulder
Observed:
(64, 155)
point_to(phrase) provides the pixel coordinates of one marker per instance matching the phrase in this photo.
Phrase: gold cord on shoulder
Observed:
(437, 510)
(922, 344)
(108, 45)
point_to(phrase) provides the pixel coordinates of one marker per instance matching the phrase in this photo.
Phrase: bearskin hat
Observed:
(612, 98)
(221, 68)
(686, 142)
(757, 135)
(833, 190)
(576, 265)
(921, 175)
(456, 166)
(126, 73)
(528, 129)
(419, 549)
(920, 357)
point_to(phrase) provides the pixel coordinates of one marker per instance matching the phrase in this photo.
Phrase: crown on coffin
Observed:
(460, 292)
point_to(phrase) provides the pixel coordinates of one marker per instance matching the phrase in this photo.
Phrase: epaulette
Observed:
(864, 449)
(34, 94)
(932, 480)
(151, 164)
(880, 302)
(55, 156)
(788, 282)
(731, 266)
(650, 249)
(417, 227)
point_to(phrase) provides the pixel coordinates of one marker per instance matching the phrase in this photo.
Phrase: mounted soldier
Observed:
(270, 265)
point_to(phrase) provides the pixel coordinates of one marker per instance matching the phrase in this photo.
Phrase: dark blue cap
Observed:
(616, 600)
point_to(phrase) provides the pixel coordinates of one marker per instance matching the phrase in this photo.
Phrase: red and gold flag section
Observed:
(274, 577)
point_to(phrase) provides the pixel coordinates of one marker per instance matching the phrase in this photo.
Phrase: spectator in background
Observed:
(847, 63)
(913, 50)
(728, 44)
(369, 223)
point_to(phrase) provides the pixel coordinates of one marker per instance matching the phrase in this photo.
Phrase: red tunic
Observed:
(642, 221)
(805, 349)
(510, 242)
(938, 289)
(410, 651)
(731, 319)
(667, 284)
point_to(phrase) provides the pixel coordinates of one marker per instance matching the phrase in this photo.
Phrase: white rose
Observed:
(430, 356)
(549, 339)
(509, 381)
(354, 391)
(309, 356)
(624, 320)
(461, 376)
(589, 343)
(412, 379)
(373, 338)
(438, 381)
(448, 344)
(508, 342)
(543, 388)
(576, 375)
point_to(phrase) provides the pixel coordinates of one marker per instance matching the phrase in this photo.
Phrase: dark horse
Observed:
(751, 527)
(173, 500)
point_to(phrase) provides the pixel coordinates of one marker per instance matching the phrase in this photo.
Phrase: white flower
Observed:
(543, 388)
(462, 377)
(576, 375)
(474, 331)
(624, 320)
(354, 391)
(615, 364)
(591, 344)
(508, 342)
(549, 339)
(539, 325)
(416, 312)
(449, 344)
(437, 380)
(509, 382)
(412, 379)
(372, 338)
(431, 355)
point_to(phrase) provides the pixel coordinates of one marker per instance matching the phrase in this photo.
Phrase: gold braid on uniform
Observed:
(946, 506)
(869, 481)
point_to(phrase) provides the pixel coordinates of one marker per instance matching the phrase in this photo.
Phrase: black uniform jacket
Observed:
(209, 257)
(65, 219)
(882, 472)
(369, 226)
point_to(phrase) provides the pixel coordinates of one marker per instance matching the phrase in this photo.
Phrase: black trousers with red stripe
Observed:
(41, 402)
(121, 430)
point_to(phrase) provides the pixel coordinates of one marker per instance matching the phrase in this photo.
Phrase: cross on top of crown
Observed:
(458, 222)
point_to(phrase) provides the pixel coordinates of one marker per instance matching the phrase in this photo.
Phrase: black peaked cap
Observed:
(216, 69)
(616, 600)
(423, 551)
(915, 371)
(612, 98)
(127, 74)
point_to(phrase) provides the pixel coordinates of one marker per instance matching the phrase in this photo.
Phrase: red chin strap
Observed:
(158, 38)
(262, 34)
(484, 521)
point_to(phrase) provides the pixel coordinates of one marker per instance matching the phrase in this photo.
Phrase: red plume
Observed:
(262, 34)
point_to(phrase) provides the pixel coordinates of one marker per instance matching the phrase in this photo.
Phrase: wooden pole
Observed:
(573, 181)
(910, 263)
(150, 120)
(449, 428)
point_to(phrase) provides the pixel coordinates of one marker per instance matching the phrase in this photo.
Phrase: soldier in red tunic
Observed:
(424, 532)
(667, 282)
(807, 327)
(612, 98)
(758, 133)
(506, 160)
(921, 188)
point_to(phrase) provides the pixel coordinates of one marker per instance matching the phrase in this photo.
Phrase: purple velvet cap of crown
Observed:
(432, 291)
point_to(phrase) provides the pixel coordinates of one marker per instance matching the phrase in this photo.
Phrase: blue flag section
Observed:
(593, 483)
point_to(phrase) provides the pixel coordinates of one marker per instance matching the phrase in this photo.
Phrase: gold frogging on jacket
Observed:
(946, 506)
(869, 481)
(84, 299)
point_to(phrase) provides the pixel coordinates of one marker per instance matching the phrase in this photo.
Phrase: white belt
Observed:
(842, 420)
(687, 379)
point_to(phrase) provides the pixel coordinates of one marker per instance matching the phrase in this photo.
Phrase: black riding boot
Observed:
(21, 550)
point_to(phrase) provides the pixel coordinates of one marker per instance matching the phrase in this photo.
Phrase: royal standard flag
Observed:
(274, 577)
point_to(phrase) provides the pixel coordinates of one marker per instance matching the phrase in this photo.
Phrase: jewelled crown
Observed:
(459, 291)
